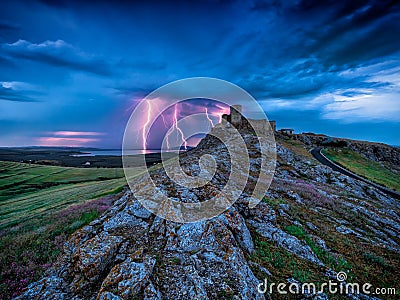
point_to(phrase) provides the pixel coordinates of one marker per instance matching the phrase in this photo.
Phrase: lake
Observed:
(117, 152)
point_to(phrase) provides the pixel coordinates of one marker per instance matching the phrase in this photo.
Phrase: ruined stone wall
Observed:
(236, 114)
(240, 122)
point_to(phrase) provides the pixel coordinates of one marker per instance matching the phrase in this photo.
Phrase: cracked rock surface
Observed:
(306, 217)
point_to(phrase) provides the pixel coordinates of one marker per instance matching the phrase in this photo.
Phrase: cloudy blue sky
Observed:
(72, 71)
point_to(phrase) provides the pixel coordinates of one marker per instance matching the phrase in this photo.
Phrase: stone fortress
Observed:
(239, 121)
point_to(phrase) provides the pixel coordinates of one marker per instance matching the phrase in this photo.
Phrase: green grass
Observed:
(27, 250)
(374, 259)
(20, 178)
(31, 191)
(296, 146)
(281, 263)
(23, 208)
(274, 202)
(364, 167)
(40, 206)
(336, 263)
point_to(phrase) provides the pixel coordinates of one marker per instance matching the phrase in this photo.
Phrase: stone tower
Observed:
(236, 119)
(236, 114)
(273, 125)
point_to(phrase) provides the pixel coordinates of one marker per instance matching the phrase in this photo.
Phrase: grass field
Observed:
(20, 178)
(40, 206)
(364, 167)
(29, 191)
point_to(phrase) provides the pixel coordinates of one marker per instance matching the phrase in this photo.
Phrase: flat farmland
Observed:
(40, 206)
(28, 191)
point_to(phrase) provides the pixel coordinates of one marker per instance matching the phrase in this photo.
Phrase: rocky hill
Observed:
(311, 224)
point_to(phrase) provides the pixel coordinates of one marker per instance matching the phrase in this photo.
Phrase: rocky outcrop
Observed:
(377, 152)
(129, 253)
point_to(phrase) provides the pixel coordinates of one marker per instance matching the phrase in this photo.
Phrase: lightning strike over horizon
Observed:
(208, 118)
(164, 121)
(166, 126)
(179, 131)
(169, 120)
(144, 137)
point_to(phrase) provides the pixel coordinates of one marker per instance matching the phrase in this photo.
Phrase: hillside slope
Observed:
(311, 224)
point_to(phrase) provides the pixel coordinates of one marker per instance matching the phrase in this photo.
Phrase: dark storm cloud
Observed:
(357, 48)
(296, 79)
(299, 81)
(358, 12)
(320, 59)
(305, 46)
(339, 33)
(57, 53)
(125, 4)
(352, 32)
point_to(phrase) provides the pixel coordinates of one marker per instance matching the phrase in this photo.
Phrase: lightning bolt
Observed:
(164, 121)
(165, 125)
(208, 118)
(144, 137)
(179, 132)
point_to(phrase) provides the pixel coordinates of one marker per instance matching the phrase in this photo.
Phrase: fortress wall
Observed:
(237, 120)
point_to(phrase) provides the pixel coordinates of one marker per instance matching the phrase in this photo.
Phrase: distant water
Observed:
(117, 152)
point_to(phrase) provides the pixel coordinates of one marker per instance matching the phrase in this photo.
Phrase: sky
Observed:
(72, 72)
